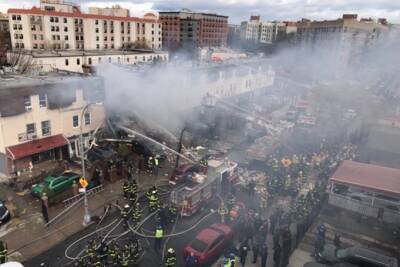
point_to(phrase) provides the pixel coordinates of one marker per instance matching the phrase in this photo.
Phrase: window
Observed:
(78, 61)
(97, 46)
(65, 20)
(97, 30)
(90, 61)
(56, 19)
(14, 17)
(30, 128)
(66, 37)
(66, 62)
(27, 103)
(66, 46)
(51, 19)
(42, 100)
(97, 38)
(15, 26)
(45, 128)
(87, 118)
(65, 29)
(34, 37)
(75, 121)
(96, 22)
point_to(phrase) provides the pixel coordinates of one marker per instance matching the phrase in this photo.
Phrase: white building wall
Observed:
(60, 121)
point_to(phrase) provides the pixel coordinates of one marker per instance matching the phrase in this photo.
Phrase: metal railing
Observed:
(69, 201)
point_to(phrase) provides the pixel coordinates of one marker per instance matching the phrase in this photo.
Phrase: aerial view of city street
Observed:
(185, 133)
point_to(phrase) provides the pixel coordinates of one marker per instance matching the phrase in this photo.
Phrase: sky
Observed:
(240, 10)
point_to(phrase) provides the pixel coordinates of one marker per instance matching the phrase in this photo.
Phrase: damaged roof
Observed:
(370, 177)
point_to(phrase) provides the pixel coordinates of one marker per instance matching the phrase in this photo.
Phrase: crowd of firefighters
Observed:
(287, 178)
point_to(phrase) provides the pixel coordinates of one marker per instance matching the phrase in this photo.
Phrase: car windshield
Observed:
(198, 245)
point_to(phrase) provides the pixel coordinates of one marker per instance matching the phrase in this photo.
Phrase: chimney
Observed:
(255, 18)
(383, 21)
(350, 16)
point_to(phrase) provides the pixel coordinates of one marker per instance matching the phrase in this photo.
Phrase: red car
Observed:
(210, 243)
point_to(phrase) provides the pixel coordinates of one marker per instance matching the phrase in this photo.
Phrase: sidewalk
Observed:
(27, 236)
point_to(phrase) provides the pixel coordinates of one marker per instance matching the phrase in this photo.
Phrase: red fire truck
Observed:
(200, 189)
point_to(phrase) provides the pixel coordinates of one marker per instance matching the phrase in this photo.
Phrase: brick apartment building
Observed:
(187, 29)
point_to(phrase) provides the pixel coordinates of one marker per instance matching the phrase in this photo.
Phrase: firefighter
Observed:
(231, 201)
(150, 165)
(3, 252)
(222, 211)
(90, 249)
(133, 187)
(112, 252)
(172, 213)
(103, 252)
(96, 261)
(158, 237)
(125, 258)
(125, 189)
(135, 250)
(153, 199)
(171, 258)
(125, 212)
(137, 214)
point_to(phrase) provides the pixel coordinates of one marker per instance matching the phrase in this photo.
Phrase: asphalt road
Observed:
(56, 255)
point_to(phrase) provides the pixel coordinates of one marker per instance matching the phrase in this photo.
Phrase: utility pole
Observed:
(86, 216)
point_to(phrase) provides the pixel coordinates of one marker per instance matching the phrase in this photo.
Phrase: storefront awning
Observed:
(36, 146)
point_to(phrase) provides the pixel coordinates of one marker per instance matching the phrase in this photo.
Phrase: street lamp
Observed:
(86, 217)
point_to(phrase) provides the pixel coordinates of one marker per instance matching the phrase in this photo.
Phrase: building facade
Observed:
(250, 30)
(41, 118)
(189, 29)
(347, 26)
(57, 25)
(82, 61)
(271, 31)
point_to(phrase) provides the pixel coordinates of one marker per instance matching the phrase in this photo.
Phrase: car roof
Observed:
(208, 235)
(221, 227)
(373, 256)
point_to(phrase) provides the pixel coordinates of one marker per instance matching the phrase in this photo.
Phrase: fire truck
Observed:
(199, 189)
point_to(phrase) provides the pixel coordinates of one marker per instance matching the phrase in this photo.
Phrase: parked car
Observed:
(357, 255)
(4, 213)
(209, 243)
(183, 171)
(316, 264)
(54, 185)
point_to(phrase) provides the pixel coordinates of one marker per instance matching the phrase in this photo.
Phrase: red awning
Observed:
(371, 177)
(36, 146)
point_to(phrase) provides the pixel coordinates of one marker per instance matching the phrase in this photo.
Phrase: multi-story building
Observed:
(5, 42)
(4, 27)
(59, 25)
(264, 32)
(348, 26)
(81, 61)
(41, 118)
(271, 31)
(185, 28)
(250, 30)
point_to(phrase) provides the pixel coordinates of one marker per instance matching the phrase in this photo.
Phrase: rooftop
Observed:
(367, 176)
(11, 80)
(74, 53)
(75, 14)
